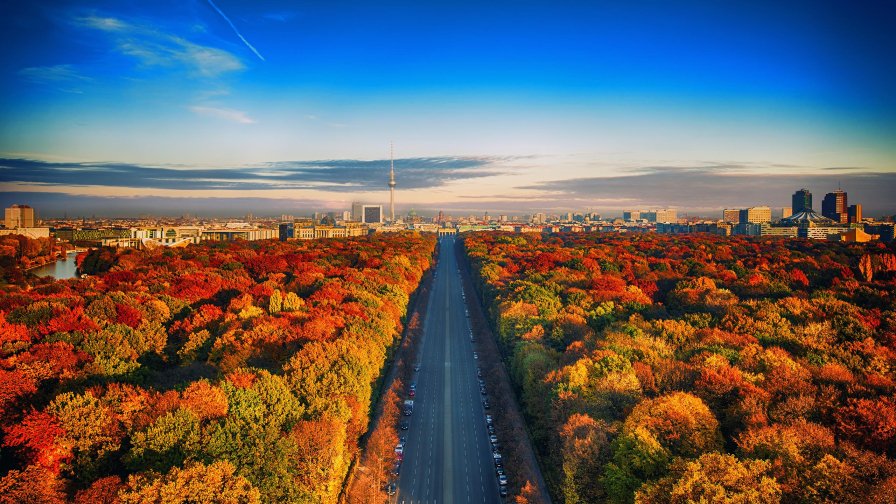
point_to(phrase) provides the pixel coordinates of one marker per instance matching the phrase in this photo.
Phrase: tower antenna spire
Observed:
(391, 182)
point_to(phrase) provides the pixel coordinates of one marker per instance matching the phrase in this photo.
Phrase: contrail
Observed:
(238, 34)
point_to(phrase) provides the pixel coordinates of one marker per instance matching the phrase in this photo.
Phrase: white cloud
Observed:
(156, 48)
(232, 115)
(103, 23)
(54, 73)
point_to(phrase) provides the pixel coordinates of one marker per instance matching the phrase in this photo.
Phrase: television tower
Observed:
(391, 183)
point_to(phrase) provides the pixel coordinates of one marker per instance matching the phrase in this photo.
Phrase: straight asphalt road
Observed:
(447, 455)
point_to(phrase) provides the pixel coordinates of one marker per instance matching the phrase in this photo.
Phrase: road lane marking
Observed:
(447, 461)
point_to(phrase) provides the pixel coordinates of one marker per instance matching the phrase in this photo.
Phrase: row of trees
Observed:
(241, 369)
(654, 368)
(19, 252)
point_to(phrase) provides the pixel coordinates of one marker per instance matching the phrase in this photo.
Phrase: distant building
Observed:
(731, 215)
(748, 229)
(822, 232)
(858, 236)
(786, 212)
(854, 214)
(373, 214)
(833, 206)
(885, 230)
(766, 229)
(30, 232)
(287, 231)
(802, 201)
(631, 215)
(164, 235)
(667, 215)
(238, 233)
(755, 215)
(368, 214)
(19, 216)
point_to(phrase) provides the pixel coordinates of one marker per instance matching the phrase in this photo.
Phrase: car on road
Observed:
(417, 367)
(493, 438)
(491, 429)
(499, 461)
(404, 425)
(396, 469)
(475, 355)
(489, 419)
(486, 404)
(390, 488)
(502, 479)
(412, 393)
(503, 490)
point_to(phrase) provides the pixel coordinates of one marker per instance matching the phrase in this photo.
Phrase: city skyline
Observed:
(201, 107)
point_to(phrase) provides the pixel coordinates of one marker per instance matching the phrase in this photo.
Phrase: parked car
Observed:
(404, 425)
(390, 488)
(502, 479)
(486, 404)
(503, 490)
(493, 438)
(489, 419)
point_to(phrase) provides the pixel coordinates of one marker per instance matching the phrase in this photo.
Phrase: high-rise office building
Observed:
(854, 213)
(731, 215)
(756, 215)
(833, 206)
(802, 201)
(373, 214)
(19, 216)
(368, 214)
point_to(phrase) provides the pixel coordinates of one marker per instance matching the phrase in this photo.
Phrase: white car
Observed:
(475, 355)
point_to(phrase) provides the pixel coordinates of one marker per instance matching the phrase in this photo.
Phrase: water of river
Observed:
(61, 269)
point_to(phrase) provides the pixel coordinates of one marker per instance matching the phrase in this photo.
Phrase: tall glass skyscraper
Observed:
(834, 206)
(802, 201)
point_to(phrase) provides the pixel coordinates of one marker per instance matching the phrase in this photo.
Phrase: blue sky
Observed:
(505, 106)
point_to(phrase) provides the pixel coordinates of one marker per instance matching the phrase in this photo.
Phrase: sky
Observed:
(129, 107)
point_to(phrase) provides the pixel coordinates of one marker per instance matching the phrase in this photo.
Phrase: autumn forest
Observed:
(649, 368)
(658, 368)
(245, 369)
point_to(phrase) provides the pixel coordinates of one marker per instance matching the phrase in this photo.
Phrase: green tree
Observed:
(714, 477)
